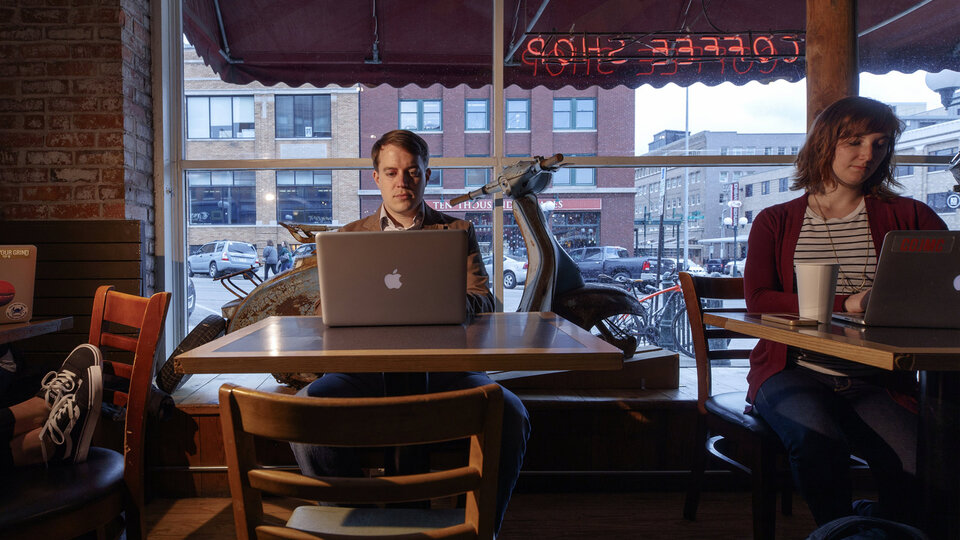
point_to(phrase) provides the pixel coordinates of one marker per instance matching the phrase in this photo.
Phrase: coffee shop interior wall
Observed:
(76, 132)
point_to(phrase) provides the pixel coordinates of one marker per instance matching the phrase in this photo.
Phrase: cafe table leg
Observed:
(938, 453)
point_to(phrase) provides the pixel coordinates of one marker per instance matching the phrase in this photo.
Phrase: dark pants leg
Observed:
(319, 461)
(7, 422)
(822, 420)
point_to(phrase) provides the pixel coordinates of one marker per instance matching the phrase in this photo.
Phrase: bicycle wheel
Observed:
(682, 334)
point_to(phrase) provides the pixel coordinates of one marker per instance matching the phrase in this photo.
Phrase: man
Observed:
(269, 260)
(400, 161)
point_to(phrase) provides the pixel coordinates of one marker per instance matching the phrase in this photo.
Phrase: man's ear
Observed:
(428, 172)
(376, 177)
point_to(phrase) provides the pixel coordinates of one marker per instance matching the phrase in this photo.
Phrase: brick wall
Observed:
(76, 134)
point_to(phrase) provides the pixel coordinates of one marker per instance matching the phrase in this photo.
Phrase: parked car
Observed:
(728, 268)
(222, 257)
(305, 250)
(514, 270)
(616, 262)
(191, 297)
(715, 265)
(691, 268)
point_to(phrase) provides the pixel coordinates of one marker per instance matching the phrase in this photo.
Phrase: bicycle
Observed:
(663, 322)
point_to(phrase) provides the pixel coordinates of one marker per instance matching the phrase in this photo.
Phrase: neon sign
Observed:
(660, 53)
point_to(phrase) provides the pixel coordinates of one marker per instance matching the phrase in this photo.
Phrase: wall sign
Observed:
(659, 53)
(486, 205)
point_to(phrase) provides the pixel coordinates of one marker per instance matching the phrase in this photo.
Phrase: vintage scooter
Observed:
(553, 280)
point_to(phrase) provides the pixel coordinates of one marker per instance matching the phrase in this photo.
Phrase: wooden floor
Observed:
(533, 516)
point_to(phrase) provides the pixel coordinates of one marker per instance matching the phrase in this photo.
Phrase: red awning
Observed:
(580, 43)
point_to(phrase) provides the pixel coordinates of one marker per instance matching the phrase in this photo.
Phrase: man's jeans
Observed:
(822, 419)
(325, 461)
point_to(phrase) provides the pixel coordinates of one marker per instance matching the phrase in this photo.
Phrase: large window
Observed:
(229, 117)
(574, 113)
(222, 197)
(421, 114)
(303, 116)
(941, 152)
(476, 115)
(518, 115)
(305, 197)
(575, 176)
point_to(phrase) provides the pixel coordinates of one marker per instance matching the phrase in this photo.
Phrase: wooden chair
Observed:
(721, 417)
(475, 414)
(64, 501)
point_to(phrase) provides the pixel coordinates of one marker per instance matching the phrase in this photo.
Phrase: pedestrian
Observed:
(269, 260)
(286, 257)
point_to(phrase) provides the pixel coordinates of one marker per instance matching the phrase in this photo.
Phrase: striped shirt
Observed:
(847, 241)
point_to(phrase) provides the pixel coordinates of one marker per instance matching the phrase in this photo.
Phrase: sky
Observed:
(776, 107)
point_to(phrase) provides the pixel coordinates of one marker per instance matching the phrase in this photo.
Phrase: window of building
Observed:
(765, 187)
(749, 215)
(941, 152)
(228, 117)
(518, 114)
(575, 176)
(222, 197)
(748, 190)
(574, 113)
(781, 150)
(476, 115)
(421, 114)
(903, 170)
(303, 116)
(305, 196)
(784, 184)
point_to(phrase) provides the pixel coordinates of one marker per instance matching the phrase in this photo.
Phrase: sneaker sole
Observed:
(95, 395)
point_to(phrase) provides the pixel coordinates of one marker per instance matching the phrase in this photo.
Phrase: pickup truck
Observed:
(615, 261)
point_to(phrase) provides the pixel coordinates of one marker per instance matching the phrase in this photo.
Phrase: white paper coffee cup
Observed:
(816, 287)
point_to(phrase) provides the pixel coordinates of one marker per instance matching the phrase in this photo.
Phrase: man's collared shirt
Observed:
(387, 224)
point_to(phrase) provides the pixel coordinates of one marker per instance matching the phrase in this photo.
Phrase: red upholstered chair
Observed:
(64, 501)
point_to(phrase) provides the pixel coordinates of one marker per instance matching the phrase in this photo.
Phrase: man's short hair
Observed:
(408, 140)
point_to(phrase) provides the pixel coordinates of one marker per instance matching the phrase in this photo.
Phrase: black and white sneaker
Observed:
(65, 381)
(66, 434)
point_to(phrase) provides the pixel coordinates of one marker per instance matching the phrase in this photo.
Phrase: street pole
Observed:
(686, 178)
(736, 251)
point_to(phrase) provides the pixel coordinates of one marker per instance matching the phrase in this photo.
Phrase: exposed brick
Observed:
(73, 69)
(108, 51)
(114, 210)
(46, 193)
(109, 32)
(29, 15)
(21, 140)
(96, 15)
(72, 104)
(21, 105)
(50, 86)
(8, 157)
(85, 193)
(100, 157)
(9, 87)
(21, 33)
(57, 121)
(49, 158)
(9, 194)
(74, 211)
(23, 211)
(112, 176)
(73, 33)
(74, 175)
(31, 69)
(112, 139)
(44, 50)
(98, 121)
(23, 176)
(110, 193)
(33, 121)
(11, 121)
(7, 14)
(110, 104)
(98, 85)
(71, 140)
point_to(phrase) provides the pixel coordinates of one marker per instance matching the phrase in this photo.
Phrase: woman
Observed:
(824, 408)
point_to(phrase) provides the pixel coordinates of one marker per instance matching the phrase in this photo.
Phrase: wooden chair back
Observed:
(474, 414)
(697, 289)
(144, 317)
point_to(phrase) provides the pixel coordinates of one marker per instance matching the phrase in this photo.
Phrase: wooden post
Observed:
(832, 71)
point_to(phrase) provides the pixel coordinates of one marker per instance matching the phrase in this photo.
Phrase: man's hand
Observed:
(857, 303)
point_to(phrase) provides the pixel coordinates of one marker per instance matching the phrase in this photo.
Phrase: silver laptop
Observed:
(917, 283)
(18, 267)
(392, 278)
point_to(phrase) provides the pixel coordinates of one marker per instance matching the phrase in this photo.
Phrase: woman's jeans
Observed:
(822, 420)
(327, 461)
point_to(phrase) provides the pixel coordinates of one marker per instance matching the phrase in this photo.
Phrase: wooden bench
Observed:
(74, 257)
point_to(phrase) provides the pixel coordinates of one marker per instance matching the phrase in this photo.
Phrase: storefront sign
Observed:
(486, 205)
(666, 54)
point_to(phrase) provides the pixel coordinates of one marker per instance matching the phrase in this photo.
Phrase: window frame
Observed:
(467, 115)
(573, 114)
(234, 125)
(420, 114)
(314, 132)
(525, 113)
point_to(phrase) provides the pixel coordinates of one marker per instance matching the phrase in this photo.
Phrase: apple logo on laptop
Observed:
(392, 281)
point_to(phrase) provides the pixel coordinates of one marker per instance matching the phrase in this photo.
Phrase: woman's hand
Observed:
(857, 303)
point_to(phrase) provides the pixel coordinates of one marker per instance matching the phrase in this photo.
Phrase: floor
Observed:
(533, 516)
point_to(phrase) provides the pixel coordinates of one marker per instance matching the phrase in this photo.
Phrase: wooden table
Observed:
(493, 341)
(17, 331)
(935, 354)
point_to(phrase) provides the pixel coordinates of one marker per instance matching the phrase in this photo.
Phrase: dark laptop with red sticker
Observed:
(917, 283)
